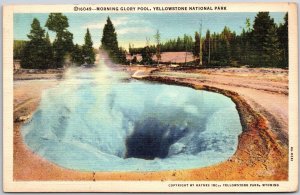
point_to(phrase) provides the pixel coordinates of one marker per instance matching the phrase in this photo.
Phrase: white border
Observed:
(137, 186)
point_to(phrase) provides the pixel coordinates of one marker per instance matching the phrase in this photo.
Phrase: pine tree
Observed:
(261, 27)
(19, 48)
(109, 42)
(36, 32)
(63, 42)
(206, 48)
(213, 48)
(121, 55)
(87, 48)
(48, 38)
(272, 53)
(179, 44)
(146, 56)
(109, 38)
(37, 52)
(225, 50)
(77, 56)
(283, 38)
(248, 25)
(248, 45)
(48, 51)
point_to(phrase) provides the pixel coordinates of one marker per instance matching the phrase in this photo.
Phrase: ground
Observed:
(169, 57)
(261, 97)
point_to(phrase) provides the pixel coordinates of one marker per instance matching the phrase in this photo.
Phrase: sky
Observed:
(134, 28)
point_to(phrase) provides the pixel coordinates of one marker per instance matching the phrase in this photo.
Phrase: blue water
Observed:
(96, 120)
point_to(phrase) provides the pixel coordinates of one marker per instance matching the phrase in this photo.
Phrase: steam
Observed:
(95, 121)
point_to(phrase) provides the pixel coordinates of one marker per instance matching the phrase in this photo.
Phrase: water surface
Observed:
(98, 120)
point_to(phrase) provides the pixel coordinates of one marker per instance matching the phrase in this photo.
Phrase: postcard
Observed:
(150, 98)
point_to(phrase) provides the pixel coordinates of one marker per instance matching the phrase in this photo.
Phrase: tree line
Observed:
(39, 53)
(263, 44)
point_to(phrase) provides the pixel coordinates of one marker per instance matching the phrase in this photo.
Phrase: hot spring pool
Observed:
(94, 121)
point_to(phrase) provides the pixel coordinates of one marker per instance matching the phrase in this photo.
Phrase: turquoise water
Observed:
(98, 120)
